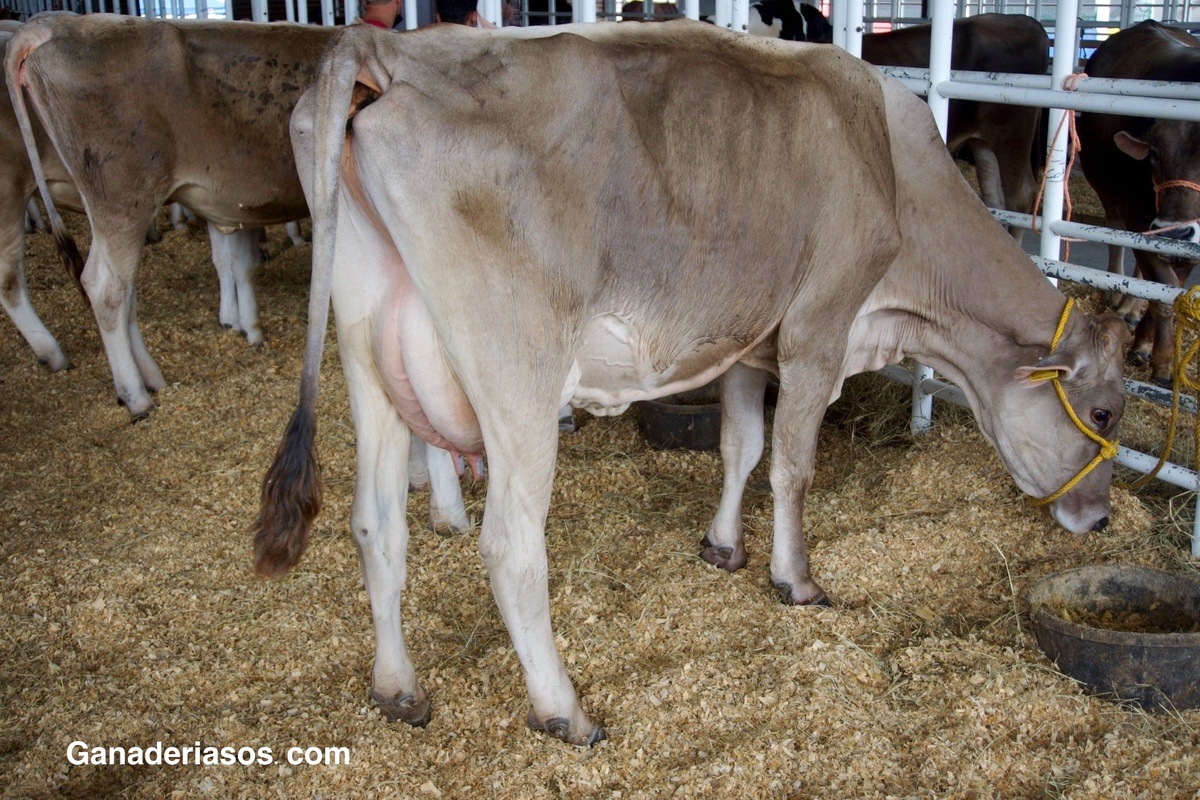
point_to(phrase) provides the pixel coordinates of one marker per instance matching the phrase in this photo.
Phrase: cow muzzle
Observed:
(1179, 231)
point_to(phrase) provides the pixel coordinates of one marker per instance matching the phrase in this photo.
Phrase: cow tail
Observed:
(22, 44)
(291, 497)
(291, 491)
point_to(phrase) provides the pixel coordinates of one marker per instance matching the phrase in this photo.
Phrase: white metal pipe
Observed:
(410, 15)
(1055, 177)
(258, 10)
(941, 45)
(585, 10)
(839, 13)
(1106, 281)
(492, 11)
(724, 13)
(1099, 103)
(740, 16)
(1103, 235)
(327, 13)
(301, 11)
(289, 10)
(691, 9)
(854, 28)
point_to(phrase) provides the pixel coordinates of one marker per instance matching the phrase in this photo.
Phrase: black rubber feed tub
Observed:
(1129, 632)
(684, 421)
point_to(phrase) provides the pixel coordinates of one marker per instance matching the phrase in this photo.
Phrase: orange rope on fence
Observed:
(1070, 84)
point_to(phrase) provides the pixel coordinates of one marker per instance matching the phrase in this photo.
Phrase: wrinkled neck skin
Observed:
(975, 325)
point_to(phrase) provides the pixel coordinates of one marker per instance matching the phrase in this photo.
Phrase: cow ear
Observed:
(1057, 364)
(1131, 146)
(1112, 335)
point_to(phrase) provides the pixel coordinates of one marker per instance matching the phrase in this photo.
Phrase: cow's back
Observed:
(648, 138)
(983, 43)
(1147, 51)
(195, 110)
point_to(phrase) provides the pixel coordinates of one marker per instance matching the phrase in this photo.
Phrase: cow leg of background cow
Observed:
(235, 256)
(181, 215)
(33, 218)
(447, 514)
(987, 172)
(1131, 309)
(108, 279)
(1155, 335)
(742, 391)
(293, 232)
(14, 294)
(380, 526)
(431, 468)
(513, 544)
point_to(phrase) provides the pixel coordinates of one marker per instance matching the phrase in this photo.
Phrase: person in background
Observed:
(462, 12)
(381, 13)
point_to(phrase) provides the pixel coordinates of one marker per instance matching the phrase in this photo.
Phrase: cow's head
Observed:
(1171, 149)
(1040, 444)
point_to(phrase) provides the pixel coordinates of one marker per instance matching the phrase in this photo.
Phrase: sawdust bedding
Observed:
(130, 615)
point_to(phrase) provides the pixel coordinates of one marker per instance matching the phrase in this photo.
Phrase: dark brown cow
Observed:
(999, 137)
(1124, 158)
(189, 112)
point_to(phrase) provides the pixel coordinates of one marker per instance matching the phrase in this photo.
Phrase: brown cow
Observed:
(16, 187)
(194, 112)
(1125, 158)
(605, 244)
(999, 137)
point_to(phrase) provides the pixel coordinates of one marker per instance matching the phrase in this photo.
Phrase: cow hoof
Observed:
(413, 708)
(566, 425)
(813, 595)
(449, 524)
(1139, 358)
(1165, 383)
(560, 729)
(137, 413)
(730, 559)
(58, 364)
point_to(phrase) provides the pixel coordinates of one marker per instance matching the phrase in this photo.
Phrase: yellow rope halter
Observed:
(1187, 318)
(1107, 449)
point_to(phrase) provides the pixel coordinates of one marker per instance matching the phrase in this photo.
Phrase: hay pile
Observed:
(131, 616)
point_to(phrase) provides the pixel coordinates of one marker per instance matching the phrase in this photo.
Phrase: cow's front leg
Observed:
(513, 545)
(380, 530)
(108, 280)
(742, 390)
(236, 258)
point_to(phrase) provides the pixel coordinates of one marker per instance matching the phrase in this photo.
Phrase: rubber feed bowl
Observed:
(1129, 632)
(684, 421)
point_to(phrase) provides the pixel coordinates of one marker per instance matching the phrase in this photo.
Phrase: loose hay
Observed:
(131, 614)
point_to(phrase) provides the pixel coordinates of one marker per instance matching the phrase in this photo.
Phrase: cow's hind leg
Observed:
(742, 391)
(14, 294)
(108, 279)
(380, 528)
(236, 257)
(513, 544)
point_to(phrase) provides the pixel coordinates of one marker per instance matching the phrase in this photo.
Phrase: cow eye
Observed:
(1101, 417)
